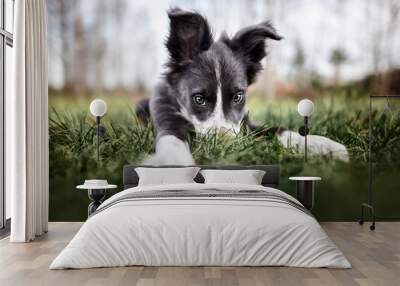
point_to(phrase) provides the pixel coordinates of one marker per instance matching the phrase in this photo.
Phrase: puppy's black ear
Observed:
(249, 44)
(189, 35)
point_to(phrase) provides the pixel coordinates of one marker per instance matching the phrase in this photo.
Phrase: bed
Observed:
(198, 224)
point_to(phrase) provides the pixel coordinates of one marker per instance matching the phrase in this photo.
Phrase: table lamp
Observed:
(305, 108)
(98, 108)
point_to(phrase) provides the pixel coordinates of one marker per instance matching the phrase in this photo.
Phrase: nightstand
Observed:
(305, 190)
(97, 190)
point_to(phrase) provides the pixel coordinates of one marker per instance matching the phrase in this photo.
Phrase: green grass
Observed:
(344, 119)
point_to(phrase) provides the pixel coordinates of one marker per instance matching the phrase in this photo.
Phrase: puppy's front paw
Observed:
(167, 159)
(315, 145)
(170, 151)
(323, 145)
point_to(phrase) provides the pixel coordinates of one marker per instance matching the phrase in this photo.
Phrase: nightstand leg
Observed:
(96, 196)
(305, 193)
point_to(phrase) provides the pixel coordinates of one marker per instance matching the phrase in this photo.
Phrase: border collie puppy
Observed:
(205, 87)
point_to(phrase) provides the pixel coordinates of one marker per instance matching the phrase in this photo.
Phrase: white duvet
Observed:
(200, 231)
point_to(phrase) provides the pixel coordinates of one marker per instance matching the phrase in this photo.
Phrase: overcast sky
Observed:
(318, 26)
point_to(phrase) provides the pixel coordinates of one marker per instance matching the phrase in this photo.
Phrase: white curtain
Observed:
(27, 124)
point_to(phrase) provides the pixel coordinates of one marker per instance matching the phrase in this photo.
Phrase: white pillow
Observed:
(248, 177)
(164, 176)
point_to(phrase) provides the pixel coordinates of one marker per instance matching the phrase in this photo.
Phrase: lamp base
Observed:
(96, 196)
(303, 130)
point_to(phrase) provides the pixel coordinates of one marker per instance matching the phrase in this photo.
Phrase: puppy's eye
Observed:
(238, 97)
(199, 99)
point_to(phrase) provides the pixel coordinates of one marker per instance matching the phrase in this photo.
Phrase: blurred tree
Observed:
(299, 58)
(63, 12)
(393, 23)
(298, 62)
(118, 9)
(81, 53)
(382, 24)
(99, 44)
(337, 59)
(144, 45)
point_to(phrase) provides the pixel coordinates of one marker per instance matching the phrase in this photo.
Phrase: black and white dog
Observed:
(205, 87)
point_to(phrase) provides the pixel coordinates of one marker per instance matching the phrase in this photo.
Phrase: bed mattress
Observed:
(201, 225)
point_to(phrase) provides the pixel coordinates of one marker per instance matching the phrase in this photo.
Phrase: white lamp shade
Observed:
(305, 107)
(98, 107)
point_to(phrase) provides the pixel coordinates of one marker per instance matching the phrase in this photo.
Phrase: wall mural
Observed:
(220, 83)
